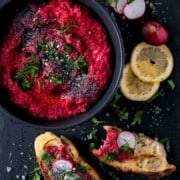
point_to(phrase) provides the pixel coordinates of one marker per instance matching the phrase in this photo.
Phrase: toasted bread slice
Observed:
(149, 157)
(47, 140)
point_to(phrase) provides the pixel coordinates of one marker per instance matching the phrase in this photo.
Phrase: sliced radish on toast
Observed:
(126, 137)
(62, 166)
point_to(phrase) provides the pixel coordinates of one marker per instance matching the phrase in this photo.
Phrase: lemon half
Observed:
(151, 63)
(134, 89)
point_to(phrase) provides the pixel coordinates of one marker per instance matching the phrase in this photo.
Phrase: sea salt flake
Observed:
(8, 169)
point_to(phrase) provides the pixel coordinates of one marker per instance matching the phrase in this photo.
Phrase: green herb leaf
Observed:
(28, 69)
(137, 118)
(116, 99)
(50, 173)
(36, 176)
(111, 156)
(46, 157)
(126, 148)
(92, 134)
(166, 143)
(141, 136)
(58, 156)
(68, 48)
(82, 169)
(96, 122)
(58, 78)
(152, 7)
(81, 64)
(130, 1)
(66, 27)
(171, 84)
(60, 178)
(36, 173)
(92, 145)
(159, 93)
(121, 114)
(112, 175)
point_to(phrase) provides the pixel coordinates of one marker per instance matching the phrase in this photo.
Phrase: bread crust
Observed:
(50, 139)
(149, 158)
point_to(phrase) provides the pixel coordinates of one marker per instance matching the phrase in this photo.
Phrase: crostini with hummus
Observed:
(135, 153)
(59, 159)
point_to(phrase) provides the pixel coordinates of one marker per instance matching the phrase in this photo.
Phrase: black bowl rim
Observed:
(110, 91)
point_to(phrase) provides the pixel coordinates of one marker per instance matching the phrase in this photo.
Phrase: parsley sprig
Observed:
(29, 69)
(46, 157)
(111, 156)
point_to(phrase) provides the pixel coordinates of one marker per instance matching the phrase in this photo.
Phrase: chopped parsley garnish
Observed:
(82, 169)
(46, 157)
(66, 27)
(116, 99)
(36, 174)
(111, 156)
(122, 114)
(126, 148)
(152, 7)
(92, 134)
(130, 1)
(96, 122)
(68, 48)
(81, 64)
(137, 118)
(58, 156)
(31, 69)
(60, 178)
(141, 136)
(92, 145)
(166, 143)
(171, 84)
(50, 173)
(31, 56)
(58, 78)
(159, 93)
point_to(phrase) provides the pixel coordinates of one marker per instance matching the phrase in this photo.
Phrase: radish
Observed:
(135, 9)
(62, 166)
(126, 137)
(72, 176)
(118, 5)
(155, 33)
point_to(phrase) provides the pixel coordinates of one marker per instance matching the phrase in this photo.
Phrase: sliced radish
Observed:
(135, 10)
(126, 137)
(72, 176)
(119, 6)
(62, 166)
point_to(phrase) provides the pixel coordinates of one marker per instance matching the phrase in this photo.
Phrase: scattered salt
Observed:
(8, 169)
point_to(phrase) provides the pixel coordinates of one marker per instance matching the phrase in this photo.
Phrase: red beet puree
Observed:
(110, 149)
(55, 60)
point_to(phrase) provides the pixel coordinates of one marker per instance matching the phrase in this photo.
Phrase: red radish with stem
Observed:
(155, 33)
(126, 137)
(118, 5)
(62, 166)
(134, 9)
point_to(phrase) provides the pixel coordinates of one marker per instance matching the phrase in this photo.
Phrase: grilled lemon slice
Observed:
(134, 89)
(151, 63)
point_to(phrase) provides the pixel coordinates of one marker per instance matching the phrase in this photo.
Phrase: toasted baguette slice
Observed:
(149, 158)
(48, 139)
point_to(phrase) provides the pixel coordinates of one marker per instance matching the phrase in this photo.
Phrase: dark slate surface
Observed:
(161, 117)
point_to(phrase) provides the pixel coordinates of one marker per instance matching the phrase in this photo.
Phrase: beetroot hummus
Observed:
(55, 60)
(110, 150)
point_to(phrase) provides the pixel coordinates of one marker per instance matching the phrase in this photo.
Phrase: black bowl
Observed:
(8, 10)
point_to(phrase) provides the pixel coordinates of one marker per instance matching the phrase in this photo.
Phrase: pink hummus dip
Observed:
(55, 60)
